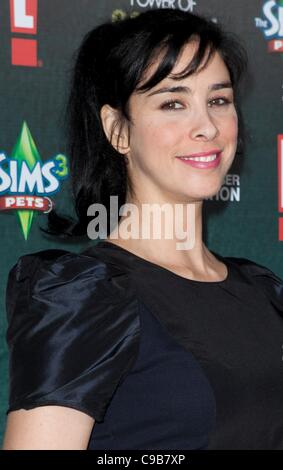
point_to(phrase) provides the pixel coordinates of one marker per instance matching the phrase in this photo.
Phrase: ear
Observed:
(115, 132)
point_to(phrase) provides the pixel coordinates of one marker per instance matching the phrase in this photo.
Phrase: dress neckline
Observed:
(132, 257)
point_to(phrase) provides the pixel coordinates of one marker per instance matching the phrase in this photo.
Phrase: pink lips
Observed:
(204, 165)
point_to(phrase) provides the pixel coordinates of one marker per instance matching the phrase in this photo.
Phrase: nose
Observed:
(203, 126)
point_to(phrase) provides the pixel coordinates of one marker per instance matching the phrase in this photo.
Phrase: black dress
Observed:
(158, 360)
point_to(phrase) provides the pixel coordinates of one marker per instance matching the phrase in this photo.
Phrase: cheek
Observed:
(229, 128)
(157, 134)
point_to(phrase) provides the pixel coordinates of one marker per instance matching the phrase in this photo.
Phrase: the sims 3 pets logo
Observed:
(272, 24)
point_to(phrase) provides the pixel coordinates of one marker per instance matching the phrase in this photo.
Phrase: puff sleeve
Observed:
(73, 331)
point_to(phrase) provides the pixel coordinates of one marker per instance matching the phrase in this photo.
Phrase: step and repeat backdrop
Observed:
(38, 39)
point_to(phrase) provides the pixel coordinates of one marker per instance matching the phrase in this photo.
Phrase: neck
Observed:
(170, 237)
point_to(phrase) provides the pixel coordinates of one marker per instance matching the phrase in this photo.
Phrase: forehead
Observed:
(215, 63)
(215, 69)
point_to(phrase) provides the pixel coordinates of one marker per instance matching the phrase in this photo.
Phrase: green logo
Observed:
(27, 181)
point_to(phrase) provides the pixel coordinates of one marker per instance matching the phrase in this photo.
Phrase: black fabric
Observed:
(72, 331)
(160, 361)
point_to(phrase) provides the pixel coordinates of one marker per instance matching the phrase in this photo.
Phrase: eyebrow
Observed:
(186, 89)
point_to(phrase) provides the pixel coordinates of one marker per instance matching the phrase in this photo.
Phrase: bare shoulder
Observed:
(48, 428)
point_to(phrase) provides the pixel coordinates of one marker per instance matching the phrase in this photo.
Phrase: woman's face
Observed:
(198, 118)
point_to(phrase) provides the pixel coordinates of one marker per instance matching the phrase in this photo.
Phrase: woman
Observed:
(133, 343)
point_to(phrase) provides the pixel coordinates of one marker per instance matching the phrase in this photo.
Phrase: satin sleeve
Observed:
(73, 332)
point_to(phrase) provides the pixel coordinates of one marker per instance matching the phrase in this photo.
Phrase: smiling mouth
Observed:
(203, 162)
(209, 158)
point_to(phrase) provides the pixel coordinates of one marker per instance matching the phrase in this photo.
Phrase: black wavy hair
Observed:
(109, 66)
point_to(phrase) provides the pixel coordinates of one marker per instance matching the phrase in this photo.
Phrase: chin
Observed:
(206, 193)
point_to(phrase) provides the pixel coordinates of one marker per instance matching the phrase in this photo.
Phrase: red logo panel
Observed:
(23, 16)
(24, 21)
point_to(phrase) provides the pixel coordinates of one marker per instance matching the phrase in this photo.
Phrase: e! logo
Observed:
(23, 14)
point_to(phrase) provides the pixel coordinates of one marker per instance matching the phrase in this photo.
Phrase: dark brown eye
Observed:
(219, 102)
(171, 105)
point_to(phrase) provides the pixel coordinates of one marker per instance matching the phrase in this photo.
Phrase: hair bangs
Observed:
(174, 46)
